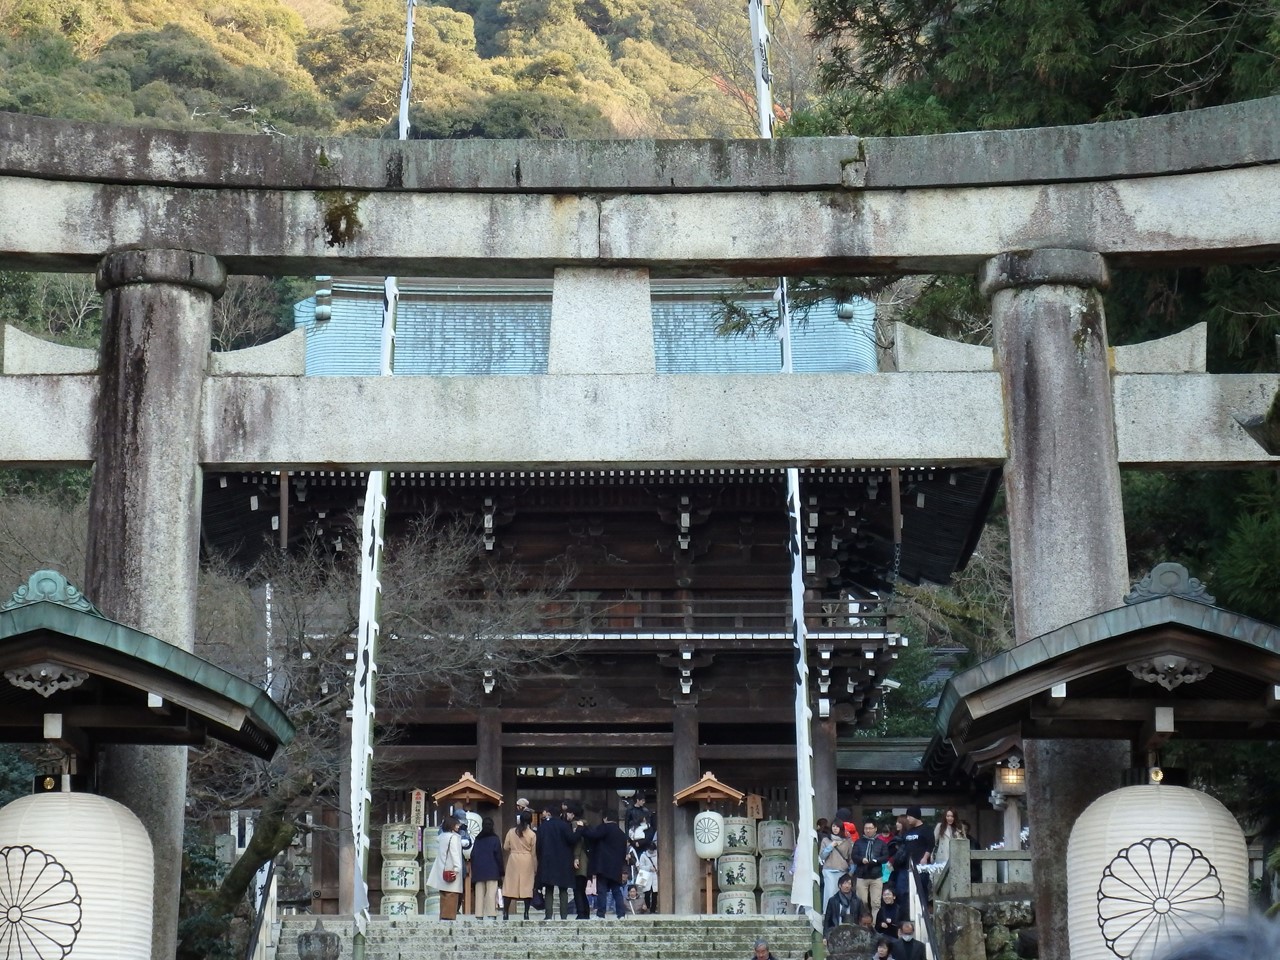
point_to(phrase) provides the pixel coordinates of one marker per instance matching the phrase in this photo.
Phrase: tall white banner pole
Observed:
(372, 527)
(805, 884)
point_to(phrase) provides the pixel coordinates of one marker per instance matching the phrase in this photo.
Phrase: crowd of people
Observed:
(609, 868)
(866, 873)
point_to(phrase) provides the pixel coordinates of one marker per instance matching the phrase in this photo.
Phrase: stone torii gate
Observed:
(1038, 214)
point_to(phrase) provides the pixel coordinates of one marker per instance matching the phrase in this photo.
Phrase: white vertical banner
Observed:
(365, 675)
(805, 883)
(372, 528)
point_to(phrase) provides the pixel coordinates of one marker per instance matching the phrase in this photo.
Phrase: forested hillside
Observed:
(481, 68)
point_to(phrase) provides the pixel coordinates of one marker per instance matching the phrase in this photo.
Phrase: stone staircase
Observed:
(635, 938)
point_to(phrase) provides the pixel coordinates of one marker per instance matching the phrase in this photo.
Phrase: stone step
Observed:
(635, 938)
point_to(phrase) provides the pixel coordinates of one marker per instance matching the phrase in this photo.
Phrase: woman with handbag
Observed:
(834, 852)
(446, 872)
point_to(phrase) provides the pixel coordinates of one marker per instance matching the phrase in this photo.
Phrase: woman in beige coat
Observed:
(448, 865)
(522, 864)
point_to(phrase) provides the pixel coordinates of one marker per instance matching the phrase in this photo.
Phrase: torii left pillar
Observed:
(144, 508)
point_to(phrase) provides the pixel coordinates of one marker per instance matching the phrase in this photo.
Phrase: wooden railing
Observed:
(707, 615)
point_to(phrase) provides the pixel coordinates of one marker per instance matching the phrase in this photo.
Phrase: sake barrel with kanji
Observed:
(740, 835)
(775, 871)
(736, 903)
(399, 841)
(777, 836)
(736, 871)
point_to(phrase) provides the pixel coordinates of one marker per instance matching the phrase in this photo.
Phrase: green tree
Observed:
(896, 67)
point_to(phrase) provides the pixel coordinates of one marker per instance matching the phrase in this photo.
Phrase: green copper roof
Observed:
(50, 604)
(1081, 647)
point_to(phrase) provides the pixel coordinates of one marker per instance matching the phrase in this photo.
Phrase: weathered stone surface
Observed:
(642, 421)
(1034, 268)
(25, 354)
(1248, 133)
(144, 508)
(283, 357)
(850, 942)
(916, 350)
(1142, 222)
(1182, 352)
(1232, 135)
(1063, 778)
(59, 149)
(1062, 473)
(1191, 413)
(1008, 913)
(1159, 419)
(601, 322)
(999, 942)
(959, 931)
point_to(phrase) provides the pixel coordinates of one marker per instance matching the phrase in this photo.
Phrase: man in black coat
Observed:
(907, 947)
(608, 861)
(868, 856)
(554, 848)
(843, 907)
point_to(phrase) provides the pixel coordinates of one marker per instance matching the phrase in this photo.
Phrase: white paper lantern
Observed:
(475, 823)
(736, 871)
(78, 873)
(1149, 865)
(777, 836)
(736, 903)
(740, 834)
(708, 834)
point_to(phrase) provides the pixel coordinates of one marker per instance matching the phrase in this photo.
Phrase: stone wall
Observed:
(973, 929)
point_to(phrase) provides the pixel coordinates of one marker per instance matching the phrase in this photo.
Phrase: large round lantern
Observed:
(1149, 865)
(708, 834)
(77, 877)
(475, 823)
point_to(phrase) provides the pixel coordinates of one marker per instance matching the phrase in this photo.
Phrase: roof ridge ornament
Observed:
(1170, 670)
(1168, 580)
(53, 586)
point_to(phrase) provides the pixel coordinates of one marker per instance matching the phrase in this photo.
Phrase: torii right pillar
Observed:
(1066, 521)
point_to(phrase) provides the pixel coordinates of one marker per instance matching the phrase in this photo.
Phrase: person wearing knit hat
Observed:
(918, 841)
(846, 820)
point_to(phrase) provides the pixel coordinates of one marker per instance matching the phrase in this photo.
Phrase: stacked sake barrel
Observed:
(738, 868)
(401, 871)
(777, 840)
(737, 872)
(430, 847)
